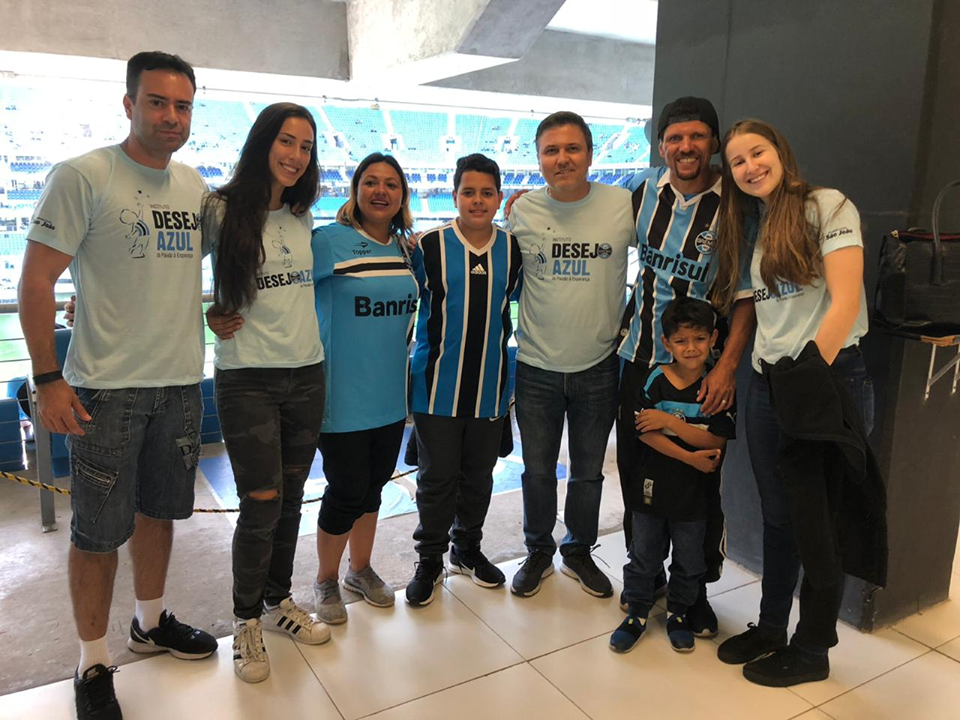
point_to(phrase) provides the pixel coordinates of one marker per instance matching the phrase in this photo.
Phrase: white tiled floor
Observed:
(478, 654)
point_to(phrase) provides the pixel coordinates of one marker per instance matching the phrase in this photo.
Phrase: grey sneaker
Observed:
(329, 604)
(374, 590)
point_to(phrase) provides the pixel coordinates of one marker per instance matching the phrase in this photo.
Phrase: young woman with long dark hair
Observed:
(807, 279)
(269, 369)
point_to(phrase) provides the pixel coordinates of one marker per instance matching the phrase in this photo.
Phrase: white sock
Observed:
(148, 613)
(93, 652)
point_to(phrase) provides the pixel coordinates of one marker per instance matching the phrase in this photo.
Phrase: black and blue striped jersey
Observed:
(676, 240)
(459, 366)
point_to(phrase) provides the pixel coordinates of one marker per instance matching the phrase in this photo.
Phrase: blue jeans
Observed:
(819, 607)
(138, 454)
(687, 565)
(589, 400)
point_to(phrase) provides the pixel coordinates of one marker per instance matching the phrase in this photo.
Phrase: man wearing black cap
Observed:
(676, 211)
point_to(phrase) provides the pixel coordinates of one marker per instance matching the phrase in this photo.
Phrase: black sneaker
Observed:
(593, 580)
(681, 637)
(529, 577)
(94, 694)
(625, 637)
(173, 636)
(701, 618)
(750, 645)
(426, 577)
(475, 564)
(787, 666)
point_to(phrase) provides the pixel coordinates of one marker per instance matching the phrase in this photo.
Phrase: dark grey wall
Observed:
(866, 93)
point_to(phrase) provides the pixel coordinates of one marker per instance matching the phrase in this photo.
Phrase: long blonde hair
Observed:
(791, 245)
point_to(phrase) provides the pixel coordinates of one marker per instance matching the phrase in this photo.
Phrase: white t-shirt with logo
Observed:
(280, 328)
(574, 276)
(134, 234)
(785, 324)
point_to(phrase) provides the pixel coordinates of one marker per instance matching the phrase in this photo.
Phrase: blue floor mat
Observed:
(396, 499)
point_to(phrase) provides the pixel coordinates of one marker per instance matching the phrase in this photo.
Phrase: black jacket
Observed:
(838, 500)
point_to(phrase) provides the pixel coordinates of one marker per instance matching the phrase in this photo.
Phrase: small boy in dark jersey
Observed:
(668, 490)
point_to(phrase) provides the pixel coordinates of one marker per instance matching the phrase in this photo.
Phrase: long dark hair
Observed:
(349, 213)
(791, 245)
(242, 204)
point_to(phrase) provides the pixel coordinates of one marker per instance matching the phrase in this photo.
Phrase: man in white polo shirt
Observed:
(574, 236)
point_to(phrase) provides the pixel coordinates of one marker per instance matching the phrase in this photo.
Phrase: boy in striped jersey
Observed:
(675, 210)
(467, 271)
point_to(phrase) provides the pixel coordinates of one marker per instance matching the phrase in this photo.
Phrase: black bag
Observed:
(918, 288)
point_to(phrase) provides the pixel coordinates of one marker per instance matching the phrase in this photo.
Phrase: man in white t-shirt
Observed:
(127, 222)
(573, 236)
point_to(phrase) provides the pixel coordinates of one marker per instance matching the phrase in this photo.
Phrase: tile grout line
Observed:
(948, 657)
(535, 657)
(867, 682)
(553, 685)
(522, 660)
(319, 681)
(921, 642)
(449, 687)
(482, 621)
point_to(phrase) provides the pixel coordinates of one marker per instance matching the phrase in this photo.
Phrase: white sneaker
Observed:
(250, 661)
(290, 618)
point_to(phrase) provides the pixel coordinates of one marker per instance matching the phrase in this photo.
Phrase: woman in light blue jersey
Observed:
(807, 280)
(366, 297)
(269, 369)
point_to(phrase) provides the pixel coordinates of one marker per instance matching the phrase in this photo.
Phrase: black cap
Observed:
(688, 109)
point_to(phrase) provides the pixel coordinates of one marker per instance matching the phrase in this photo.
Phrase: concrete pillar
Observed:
(856, 88)
(417, 41)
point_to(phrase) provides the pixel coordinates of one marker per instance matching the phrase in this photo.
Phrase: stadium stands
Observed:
(421, 135)
(363, 128)
(32, 140)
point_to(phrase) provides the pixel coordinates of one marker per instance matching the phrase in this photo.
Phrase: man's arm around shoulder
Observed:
(56, 401)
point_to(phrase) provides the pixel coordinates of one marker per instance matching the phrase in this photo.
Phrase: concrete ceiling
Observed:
(631, 20)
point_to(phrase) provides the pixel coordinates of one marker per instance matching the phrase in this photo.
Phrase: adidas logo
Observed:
(478, 270)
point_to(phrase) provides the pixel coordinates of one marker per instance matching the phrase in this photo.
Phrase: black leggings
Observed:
(357, 465)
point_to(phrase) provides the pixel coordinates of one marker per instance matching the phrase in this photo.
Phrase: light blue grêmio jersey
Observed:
(460, 364)
(366, 299)
(676, 241)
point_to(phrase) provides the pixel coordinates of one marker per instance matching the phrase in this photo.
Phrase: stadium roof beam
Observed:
(419, 41)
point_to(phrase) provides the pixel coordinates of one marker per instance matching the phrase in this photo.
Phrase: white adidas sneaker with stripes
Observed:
(290, 618)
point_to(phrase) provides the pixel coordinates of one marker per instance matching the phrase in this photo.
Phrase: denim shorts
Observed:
(138, 454)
